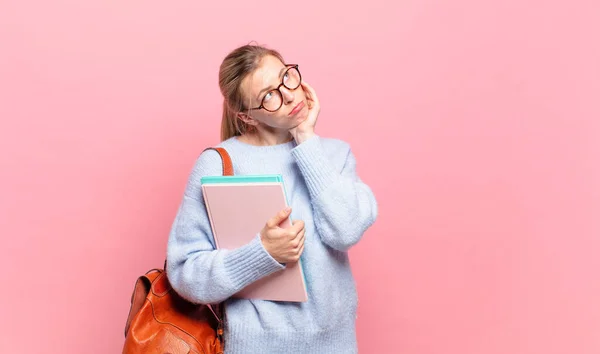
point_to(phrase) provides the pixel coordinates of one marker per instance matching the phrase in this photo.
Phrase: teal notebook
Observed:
(241, 179)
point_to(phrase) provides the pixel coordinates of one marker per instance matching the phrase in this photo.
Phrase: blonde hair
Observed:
(235, 67)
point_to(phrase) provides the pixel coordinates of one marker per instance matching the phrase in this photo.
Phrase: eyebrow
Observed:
(270, 87)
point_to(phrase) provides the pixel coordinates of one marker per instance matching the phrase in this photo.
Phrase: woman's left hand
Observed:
(306, 129)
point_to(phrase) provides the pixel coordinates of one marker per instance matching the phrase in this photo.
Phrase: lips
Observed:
(297, 109)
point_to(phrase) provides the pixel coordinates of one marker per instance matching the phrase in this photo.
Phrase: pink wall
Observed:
(477, 124)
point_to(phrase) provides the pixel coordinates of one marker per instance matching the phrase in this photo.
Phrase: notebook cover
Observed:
(238, 207)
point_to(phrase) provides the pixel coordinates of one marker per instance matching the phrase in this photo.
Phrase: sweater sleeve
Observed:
(197, 271)
(343, 206)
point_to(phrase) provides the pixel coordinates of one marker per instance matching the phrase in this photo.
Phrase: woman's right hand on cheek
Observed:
(284, 245)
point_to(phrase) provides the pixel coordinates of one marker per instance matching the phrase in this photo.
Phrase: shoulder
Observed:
(208, 163)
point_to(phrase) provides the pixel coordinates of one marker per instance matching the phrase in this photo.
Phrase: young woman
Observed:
(268, 127)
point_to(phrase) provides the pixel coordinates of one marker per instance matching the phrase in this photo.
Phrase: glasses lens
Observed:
(272, 100)
(291, 79)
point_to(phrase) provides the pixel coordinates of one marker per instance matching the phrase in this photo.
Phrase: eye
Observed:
(268, 96)
(286, 76)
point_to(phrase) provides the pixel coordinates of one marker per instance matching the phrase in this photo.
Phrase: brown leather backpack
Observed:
(160, 321)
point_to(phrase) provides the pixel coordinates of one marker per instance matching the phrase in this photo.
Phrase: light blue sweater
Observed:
(323, 191)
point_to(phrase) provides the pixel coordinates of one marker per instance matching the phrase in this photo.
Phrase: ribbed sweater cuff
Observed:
(317, 170)
(249, 263)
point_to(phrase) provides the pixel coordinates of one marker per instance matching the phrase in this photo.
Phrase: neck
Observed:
(264, 138)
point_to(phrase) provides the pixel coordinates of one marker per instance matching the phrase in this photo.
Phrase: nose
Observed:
(288, 96)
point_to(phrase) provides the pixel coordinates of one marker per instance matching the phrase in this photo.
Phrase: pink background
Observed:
(477, 124)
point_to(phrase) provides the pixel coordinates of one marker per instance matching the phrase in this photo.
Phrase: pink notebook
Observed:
(238, 208)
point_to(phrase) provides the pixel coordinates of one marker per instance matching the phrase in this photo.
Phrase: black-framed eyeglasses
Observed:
(273, 99)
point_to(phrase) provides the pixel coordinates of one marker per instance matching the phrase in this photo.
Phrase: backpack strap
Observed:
(219, 310)
(227, 164)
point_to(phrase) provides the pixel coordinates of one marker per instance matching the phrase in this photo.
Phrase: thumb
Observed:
(279, 217)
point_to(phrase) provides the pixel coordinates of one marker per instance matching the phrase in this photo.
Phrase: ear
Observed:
(244, 117)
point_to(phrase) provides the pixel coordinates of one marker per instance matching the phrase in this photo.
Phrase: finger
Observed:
(307, 89)
(279, 218)
(297, 242)
(300, 251)
(293, 234)
(297, 225)
(301, 237)
(312, 101)
(311, 91)
(299, 233)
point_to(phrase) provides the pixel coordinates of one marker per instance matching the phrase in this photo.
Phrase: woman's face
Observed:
(257, 89)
